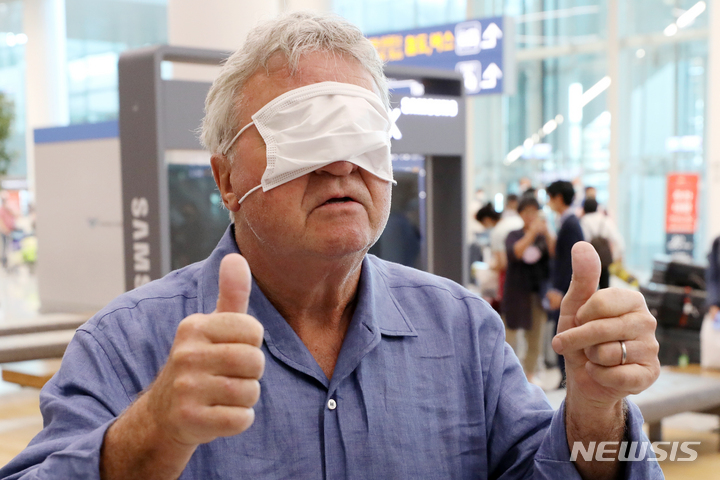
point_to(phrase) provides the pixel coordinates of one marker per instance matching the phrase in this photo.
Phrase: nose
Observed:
(338, 169)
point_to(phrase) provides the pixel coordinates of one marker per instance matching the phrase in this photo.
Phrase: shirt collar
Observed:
(377, 313)
(377, 307)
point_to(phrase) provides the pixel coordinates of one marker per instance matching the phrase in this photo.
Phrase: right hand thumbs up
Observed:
(234, 284)
(211, 380)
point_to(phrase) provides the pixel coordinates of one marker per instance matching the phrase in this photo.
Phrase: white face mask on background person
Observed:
(313, 126)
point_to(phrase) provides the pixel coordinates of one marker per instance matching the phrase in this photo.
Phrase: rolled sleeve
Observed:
(78, 405)
(552, 460)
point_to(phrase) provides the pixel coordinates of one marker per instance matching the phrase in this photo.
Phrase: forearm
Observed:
(587, 423)
(500, 259)
(135, 448)
(522, 244)
(551, 244)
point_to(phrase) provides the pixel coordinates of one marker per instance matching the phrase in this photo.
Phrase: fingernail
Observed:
(557, 344)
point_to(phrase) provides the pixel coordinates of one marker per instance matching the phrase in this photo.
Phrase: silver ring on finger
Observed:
(624, 352)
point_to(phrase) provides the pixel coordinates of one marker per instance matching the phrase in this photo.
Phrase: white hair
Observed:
(292, 34)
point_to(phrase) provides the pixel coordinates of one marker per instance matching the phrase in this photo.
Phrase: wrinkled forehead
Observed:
(278, 77)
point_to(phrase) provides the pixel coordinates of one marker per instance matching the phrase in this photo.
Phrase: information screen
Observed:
(197, 217)
(404, 238)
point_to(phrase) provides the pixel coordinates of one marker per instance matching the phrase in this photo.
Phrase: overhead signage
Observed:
(482, 50)
(681, 213)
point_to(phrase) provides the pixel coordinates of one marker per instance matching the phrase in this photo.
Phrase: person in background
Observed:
(561, 194)
(511, 206)
(712, 279)
(530, 192)
(590, 193)
(529, 250)
(603, 234)
(509, 221)
(488, 217)
(7, 225)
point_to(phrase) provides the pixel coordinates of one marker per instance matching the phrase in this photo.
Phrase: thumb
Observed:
(585, 279)
(234, 284)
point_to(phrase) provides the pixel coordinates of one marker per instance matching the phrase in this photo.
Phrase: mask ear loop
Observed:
(232, 142)
(248, 193)
(234, 139)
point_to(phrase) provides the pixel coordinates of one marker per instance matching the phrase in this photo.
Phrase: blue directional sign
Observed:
(480, 49)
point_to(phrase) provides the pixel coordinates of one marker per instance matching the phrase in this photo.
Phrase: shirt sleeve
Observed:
(78, 405)
(553, 458)
(528, 440)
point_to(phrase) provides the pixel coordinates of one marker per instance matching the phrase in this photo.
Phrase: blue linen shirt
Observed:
(425, 387)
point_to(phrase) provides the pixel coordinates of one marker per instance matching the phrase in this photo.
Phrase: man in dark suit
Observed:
(561, 195)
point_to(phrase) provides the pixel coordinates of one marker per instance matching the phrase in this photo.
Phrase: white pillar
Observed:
(712, 130)
(613, 105)
(222, 25)
(46, 75)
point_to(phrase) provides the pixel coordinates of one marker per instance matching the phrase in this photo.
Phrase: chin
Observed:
(343, 245)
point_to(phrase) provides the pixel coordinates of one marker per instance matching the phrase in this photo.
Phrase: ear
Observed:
(222, 169)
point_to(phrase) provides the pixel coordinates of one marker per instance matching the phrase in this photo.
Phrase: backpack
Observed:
(603, 249)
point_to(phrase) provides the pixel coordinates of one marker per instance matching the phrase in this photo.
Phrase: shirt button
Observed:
(332, 404)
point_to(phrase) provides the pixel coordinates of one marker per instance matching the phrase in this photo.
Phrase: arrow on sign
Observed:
(394, 130)
(490, 37)
(490, 77)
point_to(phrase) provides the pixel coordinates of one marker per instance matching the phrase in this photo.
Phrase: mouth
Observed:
(336, 200)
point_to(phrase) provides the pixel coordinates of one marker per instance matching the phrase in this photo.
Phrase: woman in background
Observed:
(528, 271)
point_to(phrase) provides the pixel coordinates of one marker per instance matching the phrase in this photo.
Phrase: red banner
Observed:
(682, 199)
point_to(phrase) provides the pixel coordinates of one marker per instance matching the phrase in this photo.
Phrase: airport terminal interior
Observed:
(507, 118)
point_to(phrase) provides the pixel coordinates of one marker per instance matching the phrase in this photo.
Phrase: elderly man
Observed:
(326, 362)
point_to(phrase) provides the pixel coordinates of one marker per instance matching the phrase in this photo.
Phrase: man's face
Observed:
(335, 211)
(556, 203)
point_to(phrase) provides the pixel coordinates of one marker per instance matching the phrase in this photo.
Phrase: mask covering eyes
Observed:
(313, 126)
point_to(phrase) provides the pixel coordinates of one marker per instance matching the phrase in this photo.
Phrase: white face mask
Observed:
(313, 126)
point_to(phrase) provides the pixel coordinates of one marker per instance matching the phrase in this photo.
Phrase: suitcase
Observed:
(678, 272)
(677, 346)
(675, 307)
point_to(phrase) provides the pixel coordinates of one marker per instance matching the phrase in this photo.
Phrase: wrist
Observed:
(136, 446)
(589, 417)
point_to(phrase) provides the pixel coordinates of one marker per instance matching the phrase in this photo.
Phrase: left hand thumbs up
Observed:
(585, 280)
(593, 328)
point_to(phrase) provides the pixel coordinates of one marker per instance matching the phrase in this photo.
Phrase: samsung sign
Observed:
(482, 50)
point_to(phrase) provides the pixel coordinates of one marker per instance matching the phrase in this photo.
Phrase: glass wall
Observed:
(12, 77)
(558, 123)
(97, 31)
(377, 16)
(663, 91)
